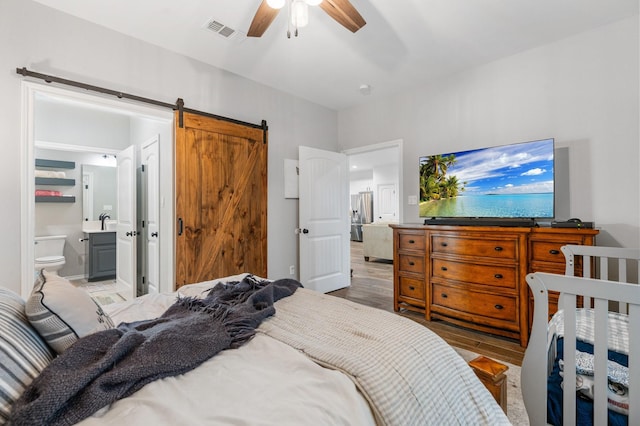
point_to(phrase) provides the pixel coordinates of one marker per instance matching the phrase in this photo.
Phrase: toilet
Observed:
(49, 252)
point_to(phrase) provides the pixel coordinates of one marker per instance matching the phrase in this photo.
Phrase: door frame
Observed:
(30, 90)
(397, 143)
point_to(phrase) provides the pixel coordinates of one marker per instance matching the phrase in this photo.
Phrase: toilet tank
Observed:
(50, 245)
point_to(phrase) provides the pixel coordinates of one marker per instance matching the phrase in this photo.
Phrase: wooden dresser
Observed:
(474, 276)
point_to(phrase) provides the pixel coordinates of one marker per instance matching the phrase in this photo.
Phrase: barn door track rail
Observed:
(178, 106)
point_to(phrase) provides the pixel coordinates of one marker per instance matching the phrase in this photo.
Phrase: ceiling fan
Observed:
(341, 10)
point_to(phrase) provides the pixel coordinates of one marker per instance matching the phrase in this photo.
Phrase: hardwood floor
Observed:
(372, 285)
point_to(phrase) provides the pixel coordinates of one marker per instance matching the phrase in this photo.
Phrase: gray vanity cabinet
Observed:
(102, 256)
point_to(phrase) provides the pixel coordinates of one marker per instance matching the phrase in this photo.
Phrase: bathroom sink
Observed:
(96, 226)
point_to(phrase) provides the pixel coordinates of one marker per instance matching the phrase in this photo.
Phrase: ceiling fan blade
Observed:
(261, 21)
(344, 13)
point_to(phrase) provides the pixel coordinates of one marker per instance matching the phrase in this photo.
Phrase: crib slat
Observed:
(634, 354)
(601, 308)
(569, 392)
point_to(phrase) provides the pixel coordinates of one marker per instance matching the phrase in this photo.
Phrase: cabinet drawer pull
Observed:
(444, 295)
(411, 263)
(444, 244)
(498, 276)
(499, 307)
(498, 248)
(554, 251)
(411, 288)
(444, 268)
(412, 242)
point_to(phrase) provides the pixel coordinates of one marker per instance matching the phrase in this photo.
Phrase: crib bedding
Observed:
(618, 344)
(285, 377)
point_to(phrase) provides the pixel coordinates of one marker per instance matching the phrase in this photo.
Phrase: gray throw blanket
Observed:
(106, 366)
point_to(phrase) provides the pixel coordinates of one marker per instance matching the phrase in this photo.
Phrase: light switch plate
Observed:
(412, 200)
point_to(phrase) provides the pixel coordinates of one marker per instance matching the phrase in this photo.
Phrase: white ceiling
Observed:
(404, 43)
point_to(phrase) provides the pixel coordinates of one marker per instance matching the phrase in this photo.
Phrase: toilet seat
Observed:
(49, 259)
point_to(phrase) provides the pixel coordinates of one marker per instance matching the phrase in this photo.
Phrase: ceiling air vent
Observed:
(222, 30)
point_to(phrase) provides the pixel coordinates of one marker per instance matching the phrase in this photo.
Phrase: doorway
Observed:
(80, 119)
(377, 169)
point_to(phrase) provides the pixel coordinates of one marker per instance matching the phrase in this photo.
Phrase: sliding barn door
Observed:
(221, 199)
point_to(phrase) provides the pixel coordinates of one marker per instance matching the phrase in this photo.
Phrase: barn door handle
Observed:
(180, 226)
(154, 234)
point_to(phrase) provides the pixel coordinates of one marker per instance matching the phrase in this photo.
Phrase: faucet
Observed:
(103, 217)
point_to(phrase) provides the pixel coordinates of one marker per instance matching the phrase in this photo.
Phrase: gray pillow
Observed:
(23, 353)
(63, 313)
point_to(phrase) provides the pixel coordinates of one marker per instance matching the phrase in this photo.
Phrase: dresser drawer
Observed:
(411, 288)
(494, 275)
(409, 263)
(475, 303)
(547, 251)
(464, 246)
(408, 241)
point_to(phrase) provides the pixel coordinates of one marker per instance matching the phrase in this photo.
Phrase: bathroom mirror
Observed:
(99, 192)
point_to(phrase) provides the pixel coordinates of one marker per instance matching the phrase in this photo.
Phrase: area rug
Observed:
(516, 411)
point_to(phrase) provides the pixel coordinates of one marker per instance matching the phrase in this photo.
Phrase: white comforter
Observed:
(264, 382)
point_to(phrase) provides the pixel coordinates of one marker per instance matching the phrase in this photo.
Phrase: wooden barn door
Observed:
(221, 199)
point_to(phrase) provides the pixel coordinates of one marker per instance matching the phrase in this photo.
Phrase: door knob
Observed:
(305, 231)
(154, 234)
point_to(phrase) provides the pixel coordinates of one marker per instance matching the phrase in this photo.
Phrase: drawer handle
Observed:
(499, 307)
(412, 263)
(554, 251)
(498, 248)
(498, 276)
(412, 242)
(444, 244)
(444, 268)
(411, 288)
(444, 295)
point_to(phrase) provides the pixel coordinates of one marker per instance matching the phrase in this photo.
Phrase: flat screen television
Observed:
(505, 183)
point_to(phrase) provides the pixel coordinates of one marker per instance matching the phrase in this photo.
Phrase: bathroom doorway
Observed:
(65, 123)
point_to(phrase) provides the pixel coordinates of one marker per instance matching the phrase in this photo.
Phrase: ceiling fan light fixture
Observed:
(276, 4)
(299, 13)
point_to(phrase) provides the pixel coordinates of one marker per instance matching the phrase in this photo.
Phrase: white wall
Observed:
(51, 42)
(583, 91)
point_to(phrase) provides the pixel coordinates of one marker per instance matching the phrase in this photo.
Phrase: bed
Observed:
(598, 320)
(318, 360)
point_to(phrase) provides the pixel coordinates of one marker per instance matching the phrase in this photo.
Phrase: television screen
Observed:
(510, 181)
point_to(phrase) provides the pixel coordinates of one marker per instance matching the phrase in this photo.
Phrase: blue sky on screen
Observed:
(522, 168)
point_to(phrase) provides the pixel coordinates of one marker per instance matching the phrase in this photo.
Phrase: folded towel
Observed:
(50, 174)
(47, 193)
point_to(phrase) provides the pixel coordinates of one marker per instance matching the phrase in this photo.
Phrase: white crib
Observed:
(614, 286)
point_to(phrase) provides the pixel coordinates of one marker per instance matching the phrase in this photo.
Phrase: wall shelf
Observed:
(55, 181)
(57, 164)
(53, 199)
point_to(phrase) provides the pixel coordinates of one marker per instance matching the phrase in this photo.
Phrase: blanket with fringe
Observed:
(109, 365)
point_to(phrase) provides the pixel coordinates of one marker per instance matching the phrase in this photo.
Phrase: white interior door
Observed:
(324, 219)
(126, 227)
(387, 202)
(151, 163)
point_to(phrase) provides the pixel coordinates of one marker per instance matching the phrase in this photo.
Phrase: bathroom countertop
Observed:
(94, 226)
